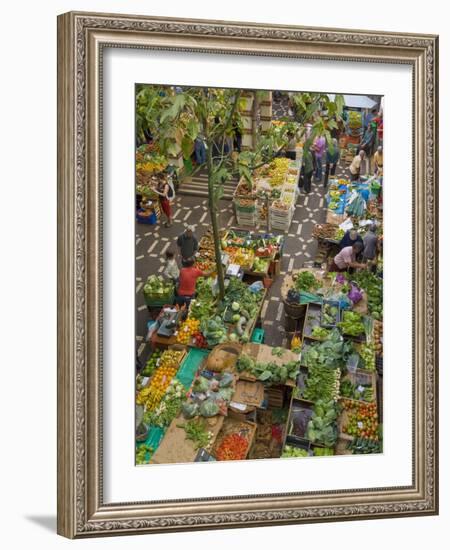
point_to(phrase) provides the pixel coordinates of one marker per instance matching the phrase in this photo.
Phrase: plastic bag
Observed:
(189, 410)
(226, 380)
(201, 385)
(355, 293)
(209, 408)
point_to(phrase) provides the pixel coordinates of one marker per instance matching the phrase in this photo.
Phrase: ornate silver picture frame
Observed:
(82, 511)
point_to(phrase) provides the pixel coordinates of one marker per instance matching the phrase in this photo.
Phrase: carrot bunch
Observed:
(233, 447)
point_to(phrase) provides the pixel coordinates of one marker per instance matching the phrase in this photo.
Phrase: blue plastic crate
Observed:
(258, 336)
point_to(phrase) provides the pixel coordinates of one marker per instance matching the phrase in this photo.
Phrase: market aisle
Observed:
(153, 241)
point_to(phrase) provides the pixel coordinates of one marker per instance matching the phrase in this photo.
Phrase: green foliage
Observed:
(293, 452)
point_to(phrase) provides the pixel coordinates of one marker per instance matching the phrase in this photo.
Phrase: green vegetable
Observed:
(235, 306)
(156, 286)
(323, 451)
(373, 286)
(236, 318)
(362, 445)
(168, 408)
(269, 373)
(306, 281)
(367, 352)
(352, 324)
(322, 382)
(142, 454)
(197, 433)
(320, 333)
(278, 352)
(214, 330)
(332, 353)
(322, 427)
(293, 452)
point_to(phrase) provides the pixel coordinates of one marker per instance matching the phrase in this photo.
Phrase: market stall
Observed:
(269, 199)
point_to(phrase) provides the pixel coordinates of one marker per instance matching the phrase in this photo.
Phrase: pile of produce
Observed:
(325, 231)
(168, 408)
(362, 419)
(232, 447)
(322, 383)
(277, 171)
(352, 324)
(214, 330)
(305, 281)
(168, 367)
(197, 432)
(239, 300)
(294, 452)
(320, 333)
(260, 265)
(373, 286)
(329, 314)
(357, 207)
(152, 363)
(187, 330)
(157, 287)
(241, 256)
(378, 337)
(323, 451)
(269, 373)
(322, 427)
(142, 454)
(281, 205)
(367, 353)
(363, 445)
(204, 305)
(209, 396)
(331, 353)
(360, 392)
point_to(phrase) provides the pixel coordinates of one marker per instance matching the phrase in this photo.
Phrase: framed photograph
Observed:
(247, 274)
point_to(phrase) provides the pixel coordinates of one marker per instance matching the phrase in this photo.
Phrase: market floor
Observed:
(300, 248)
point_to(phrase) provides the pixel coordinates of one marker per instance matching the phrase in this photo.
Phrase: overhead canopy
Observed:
(356, 101)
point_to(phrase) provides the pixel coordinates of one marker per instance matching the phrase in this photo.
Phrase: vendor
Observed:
(188, 279)
(347, 258)
(188, 244)
(370, 246)
(378, 159)
(355, 166)
(350, 238)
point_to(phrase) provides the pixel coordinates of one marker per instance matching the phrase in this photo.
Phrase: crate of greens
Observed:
(330, 314)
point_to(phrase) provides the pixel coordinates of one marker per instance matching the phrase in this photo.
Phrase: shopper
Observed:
(319, 150)
(171, 270)
(355, 166)
(378, 120)
(307, 169)
(188, 244)
(378, 159)
(188, 279)
(200, 150)
(368, 142)
(332, 159)
(347, 258)
(370, 246)
(350, 238)
(291, 146)
(166, 194)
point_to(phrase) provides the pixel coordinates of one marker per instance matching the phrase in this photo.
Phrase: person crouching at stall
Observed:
(187, 281)
(346, 258)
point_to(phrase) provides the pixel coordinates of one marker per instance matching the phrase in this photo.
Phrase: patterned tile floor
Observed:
(300, 248)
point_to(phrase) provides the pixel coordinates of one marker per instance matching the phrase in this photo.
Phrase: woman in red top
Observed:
(163, 192)
(187, 281)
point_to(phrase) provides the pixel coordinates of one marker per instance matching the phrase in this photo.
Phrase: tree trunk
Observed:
(215, 224)
(255, 109)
